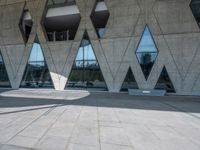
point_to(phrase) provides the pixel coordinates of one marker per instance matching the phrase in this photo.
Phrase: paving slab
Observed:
(84, 120)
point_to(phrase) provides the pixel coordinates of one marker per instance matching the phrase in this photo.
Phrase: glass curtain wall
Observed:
(36, 73)
(86, 71)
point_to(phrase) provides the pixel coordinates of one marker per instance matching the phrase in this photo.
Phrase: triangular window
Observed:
(36, 73)
(4, 80)
(86, 72)
(129, 82)
(195, 7)
(164, 82)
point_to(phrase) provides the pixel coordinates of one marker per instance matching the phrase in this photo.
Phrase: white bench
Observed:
(139, 92)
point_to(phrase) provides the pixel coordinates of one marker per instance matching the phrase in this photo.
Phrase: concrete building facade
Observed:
(172, 24)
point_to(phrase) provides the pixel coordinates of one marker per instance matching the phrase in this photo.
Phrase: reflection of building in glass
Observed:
(145, 58)
(36, 73)
(146, 52)
(86, 71)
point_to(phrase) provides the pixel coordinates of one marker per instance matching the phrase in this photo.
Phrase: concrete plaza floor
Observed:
(52, 120)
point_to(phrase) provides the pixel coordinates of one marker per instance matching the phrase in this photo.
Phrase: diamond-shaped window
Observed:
(146, 52)
(195, 7)
(99, 17)
(61, 20)
(26, 24)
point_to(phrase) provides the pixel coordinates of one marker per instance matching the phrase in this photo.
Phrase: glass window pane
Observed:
(146, 52)
(36, 74)
(129, 82)
(4, 80)
(86, 71)
(164, 82)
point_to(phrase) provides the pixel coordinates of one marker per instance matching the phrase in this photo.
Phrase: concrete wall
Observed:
(171, 22)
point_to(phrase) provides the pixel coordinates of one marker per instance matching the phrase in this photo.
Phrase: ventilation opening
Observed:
(86, 72)
(61, 22)
(129, 82)
(99, 17)
(26, 24)
(195, 7)
(146, 52)
(164, 82)
(36, 74)
(4, 80)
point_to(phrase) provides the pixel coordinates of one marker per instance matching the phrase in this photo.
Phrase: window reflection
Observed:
(36, 73)
(164, 82)
(129, 82)
(86, 71)
(4, 80)
(146, 52)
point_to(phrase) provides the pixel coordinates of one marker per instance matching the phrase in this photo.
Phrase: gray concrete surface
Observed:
(81, 120)
(172, 24)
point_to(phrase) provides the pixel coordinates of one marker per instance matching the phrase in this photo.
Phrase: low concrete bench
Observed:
(139, 92)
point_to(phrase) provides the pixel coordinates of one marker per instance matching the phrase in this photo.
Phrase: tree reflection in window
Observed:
(86, 71)
(4, 80)
(36, 73)
(146, 52)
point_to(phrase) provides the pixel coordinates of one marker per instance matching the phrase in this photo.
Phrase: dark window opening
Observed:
(4, 80)
(61, 23)
(164, 82)
(36, 74)
(146, 52)
(99, 17)
(26, 24)
(129, 82)
(86, 72)
(195, 7)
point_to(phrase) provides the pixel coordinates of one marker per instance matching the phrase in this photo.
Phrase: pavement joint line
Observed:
(122, 127)
(26, 127)
(52, 123)
(181, 110)
(68, 141)
(98, 123)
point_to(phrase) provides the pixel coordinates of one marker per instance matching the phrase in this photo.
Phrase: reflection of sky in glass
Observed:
(36, 53)
(147, 44)
(88, 53)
